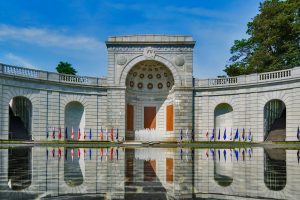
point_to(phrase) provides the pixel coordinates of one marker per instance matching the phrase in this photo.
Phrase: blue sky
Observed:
(39, 34)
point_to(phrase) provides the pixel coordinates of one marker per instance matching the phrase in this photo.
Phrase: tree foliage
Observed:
(273, 43)
(65, 68)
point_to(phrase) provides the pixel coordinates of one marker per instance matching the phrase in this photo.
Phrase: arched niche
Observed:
(223, 119)
(20, 118)
(75, 118)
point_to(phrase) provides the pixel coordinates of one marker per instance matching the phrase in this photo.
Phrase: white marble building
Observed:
(149, 89)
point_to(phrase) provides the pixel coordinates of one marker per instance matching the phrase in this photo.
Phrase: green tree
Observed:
(273, 43)
(65, 68)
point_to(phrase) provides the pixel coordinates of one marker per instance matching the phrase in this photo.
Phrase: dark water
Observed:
(148, 173)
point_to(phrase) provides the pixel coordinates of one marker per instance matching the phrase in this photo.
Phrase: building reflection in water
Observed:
(143, 173)
(223, 168)
(275, 169)
(73, 167)
(19, 168)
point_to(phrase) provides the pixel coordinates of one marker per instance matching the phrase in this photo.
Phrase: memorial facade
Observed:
(149, 93)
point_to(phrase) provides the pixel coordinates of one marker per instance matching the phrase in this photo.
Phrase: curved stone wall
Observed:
(194, 100)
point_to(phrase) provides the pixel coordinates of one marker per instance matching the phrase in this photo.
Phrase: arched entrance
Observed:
(20, 118)
(275, 120)
(75, 118)
(149, 101)
(223, 117)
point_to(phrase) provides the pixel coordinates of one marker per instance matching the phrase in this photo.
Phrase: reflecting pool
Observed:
(148, 173)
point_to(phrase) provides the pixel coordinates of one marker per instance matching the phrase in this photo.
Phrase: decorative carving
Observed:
(142, 75)
(121, 60)
(149, 52)
(150, 76)
(160, 85)
(158, 76)
(179, 60)
(140, 85)
(150, 86)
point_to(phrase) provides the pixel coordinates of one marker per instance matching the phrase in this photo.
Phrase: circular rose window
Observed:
(150, 86)
(140, 85)
(150, 76)
(142, 75)
(160, 85)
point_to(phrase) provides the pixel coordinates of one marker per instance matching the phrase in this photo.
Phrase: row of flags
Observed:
(104, 135)
(103, 152)
(244, 136)
(111, 153)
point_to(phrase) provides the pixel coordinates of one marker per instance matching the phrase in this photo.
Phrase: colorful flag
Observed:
(53, 153)
(66, 133)
(90, 153)
(53, 133)
(181, 152)
(219, 154)
(111, 156)
(117, 153)
(243, 135)
(84, 135)
(59, 153)
(213, 134)
(206, 135)
(181, 137)
(90, 133)
(206, 153)
(106, 134)
(224, 153)
(78, 134)
(72, 154)
(112, 134)
(78, 153)
(236, 152)
(101, 134)
(72, 133)
(224, 135)
(219, 134)
(249, 136)
(101, 152)
(236, 134)
(59, 133)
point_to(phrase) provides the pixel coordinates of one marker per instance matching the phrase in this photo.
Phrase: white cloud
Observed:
(17, 60)
(48, 38)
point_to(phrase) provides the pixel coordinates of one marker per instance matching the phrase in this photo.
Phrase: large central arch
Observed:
(149, 100)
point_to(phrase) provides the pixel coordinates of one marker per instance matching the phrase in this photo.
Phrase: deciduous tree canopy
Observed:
(65, 68)
(273, 43)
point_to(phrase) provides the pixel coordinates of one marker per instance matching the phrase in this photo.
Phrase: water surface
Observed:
(148, 173)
